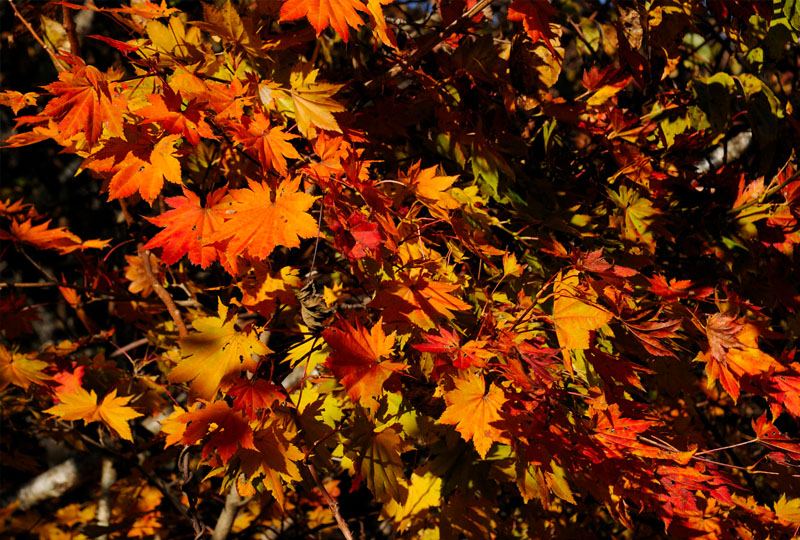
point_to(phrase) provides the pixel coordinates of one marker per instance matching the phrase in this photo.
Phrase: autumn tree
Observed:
(387, 269)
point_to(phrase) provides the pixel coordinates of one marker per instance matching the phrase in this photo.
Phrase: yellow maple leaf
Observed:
(20, 370)
(313, 105)
(216, 350)
(424, 491)
(473, 410)
(788, 510)
(573, 317)
(112, 411)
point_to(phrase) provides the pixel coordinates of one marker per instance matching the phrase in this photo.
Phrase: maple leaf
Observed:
(253, 395)
(733, 353)
(788, 511)
(177, 118)
(472, 354)
(229, 26)
(620, 434)
(473, 410)
(638, 219)
(270, 143)
(385, 34)
(356, 359)
(356, 236)
(380, 463)
(112, 411)
(312, 101)
(259, 219)
(424, 492)
(534, 16)
(20, 370)
(225, 430)
(17, 100)
(217, 350)
(146, 176)
(262, 289)
(272, 458)
(136, 274)
(787, 386)
(189, 228)
(574, 319)
(430, 188)
(338, 14)
(85, 103)
(68, 381)
(419, 299)
(671, 291)
(59, 239)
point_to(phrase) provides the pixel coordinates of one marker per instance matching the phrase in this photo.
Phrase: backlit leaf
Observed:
(259, 219)
(217, 349)
(112, 411)
(574, 318)
(473, 410)
(357, 359)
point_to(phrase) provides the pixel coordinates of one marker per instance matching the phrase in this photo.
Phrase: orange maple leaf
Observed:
(313, 105)
(271, 144)
(59, 239)
(272, 459)
(420, 299)
(135, 173)
(112, 411)
(430, 188)
(535, 17)
(574, 318)
(473, 410)
(85, 102)
(338, 14)
(189, 228)
(17, 100)
(176, 117)
(259, 219)
(225, 428)
(734, 353)
(356, 359)
(217, 350)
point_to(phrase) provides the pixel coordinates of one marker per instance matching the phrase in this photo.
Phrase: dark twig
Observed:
(162, 293)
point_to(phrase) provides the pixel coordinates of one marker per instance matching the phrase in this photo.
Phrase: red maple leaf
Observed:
(534, 16)
(225, 429)
(253, 395)
(189, 228)
(356, 358)
(176, 118)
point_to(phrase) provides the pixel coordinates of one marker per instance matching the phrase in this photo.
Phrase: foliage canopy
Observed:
(463, 269)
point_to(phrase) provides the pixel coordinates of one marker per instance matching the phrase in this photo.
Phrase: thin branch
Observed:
(162, 293)
(332, 504)
(57, 62)
(69, 26)
(766, 195)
